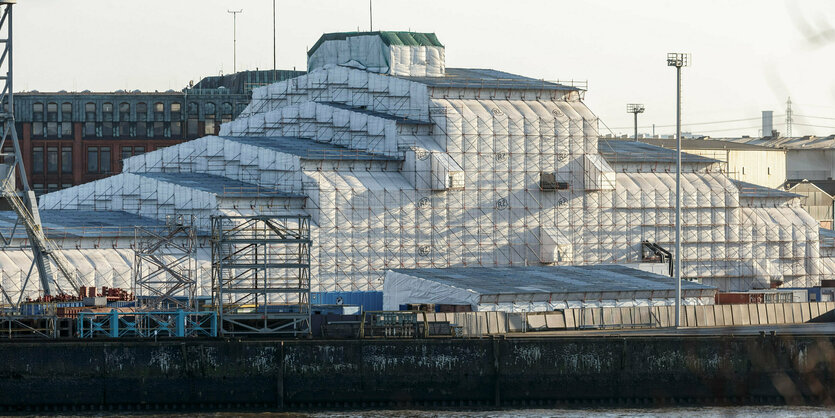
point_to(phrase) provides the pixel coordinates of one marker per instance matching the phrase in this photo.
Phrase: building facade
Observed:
(70, 138)
(760, 165)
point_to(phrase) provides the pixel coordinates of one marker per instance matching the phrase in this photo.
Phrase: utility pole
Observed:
(235, 38)
(274, 49)
(678, 60)
(635, 108)
(789, 118)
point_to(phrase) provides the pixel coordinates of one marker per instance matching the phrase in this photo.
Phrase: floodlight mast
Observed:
(678, 60)
(635, 108)
(235, 38)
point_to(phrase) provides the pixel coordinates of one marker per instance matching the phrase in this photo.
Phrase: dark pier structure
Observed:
(291, 374)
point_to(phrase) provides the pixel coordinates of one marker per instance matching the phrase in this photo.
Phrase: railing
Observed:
(116, 324)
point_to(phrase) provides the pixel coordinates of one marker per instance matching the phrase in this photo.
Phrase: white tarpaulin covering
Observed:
(415, 171)
(530, 289)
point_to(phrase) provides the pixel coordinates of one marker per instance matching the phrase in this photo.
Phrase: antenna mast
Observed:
(789, 117)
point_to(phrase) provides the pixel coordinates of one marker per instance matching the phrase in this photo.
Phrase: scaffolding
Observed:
(423, 172)
(261, 274)
(165, 266)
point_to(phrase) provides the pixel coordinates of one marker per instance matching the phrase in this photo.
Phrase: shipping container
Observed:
(369, 301)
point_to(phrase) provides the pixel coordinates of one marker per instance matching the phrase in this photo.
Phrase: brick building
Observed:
(70, 138)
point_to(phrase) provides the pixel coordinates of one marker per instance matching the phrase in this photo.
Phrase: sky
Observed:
(747, 55)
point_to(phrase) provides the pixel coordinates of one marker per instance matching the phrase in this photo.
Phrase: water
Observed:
(741, 411)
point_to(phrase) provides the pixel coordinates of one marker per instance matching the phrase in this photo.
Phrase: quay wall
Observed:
(490, 371)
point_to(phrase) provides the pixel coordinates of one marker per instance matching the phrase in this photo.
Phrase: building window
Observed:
(138, 150)
(37, 160)
(124, 128)
(104, 165)
(226, 112)
(52, 160)
(141, 129)
(107, 129)
(37, 129)
(159, 130)
(175, 111)
(66, 129)
(127, 152)
(52, 129)
(191, 125)
(90, 112)
(89, 129)
(37, 112)
(66, 160)
(124, 111)
(66, 112)
(89, 120)
(209, 127)
(176, 128)
(769, 171)
(51, 187)
(743, 171)
(92, 159)
(159, 111)
(66, 185)
(38, 187)
(52, 112)
(209, 114)
(141, 112)
(107, 112)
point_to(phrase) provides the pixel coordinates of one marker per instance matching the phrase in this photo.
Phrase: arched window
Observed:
(37, 119)
(52, 120)
(226, 112)
(90, 119)
(124, 119)
(159, 111)
(66, 120)
(107, 112)
(209, 118)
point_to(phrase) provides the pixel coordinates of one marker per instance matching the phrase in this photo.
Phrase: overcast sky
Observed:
(748, 56)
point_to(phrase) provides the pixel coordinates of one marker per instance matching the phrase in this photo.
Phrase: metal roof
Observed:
(621, 151)
(80, 223)
(827, 186)
(219, 185)
(388, 38)
(487, 79)
(398, 119)
(751, 190)
(704, 144)
(551, 279)
(308, 148)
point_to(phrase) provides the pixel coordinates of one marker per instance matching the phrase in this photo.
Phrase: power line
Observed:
(814, 126)
(698, 123)
(813, 117)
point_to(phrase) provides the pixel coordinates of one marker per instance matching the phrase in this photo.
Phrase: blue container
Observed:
(370, 301)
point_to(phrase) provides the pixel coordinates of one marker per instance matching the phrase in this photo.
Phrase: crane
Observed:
(24, 202)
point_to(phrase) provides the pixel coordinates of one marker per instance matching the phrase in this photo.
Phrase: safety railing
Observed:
(117, 324)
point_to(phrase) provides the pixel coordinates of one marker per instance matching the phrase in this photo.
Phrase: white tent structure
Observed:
(404, 163)
(532, 289)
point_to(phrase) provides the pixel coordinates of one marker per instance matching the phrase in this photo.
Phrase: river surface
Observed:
(741, 411)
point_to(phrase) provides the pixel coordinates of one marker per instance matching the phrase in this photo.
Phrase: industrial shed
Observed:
(539, 288)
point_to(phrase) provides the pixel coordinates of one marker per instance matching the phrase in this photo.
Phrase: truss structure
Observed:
(261, 274)
(165, 266)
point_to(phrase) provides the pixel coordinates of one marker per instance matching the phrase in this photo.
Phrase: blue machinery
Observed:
(115, 324)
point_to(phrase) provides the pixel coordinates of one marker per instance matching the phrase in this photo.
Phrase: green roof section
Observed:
(388, 37)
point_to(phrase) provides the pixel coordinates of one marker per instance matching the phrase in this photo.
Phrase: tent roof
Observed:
(550, 279)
